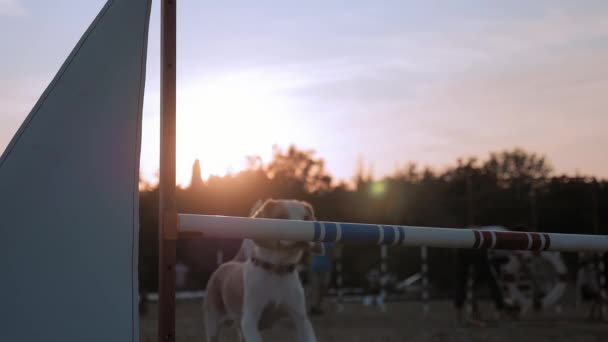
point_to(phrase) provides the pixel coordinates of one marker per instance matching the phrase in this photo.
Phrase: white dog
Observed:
(261, 284)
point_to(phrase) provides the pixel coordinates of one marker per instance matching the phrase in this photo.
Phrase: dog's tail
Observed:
(213, 308)
(256, 207)
(246, 250)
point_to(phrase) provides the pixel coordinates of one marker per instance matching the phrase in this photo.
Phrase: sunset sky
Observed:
(388, 82)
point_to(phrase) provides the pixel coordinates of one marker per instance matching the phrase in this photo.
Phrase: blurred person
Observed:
(477, 261)
(484, 271)
(321, 268)
(589, 282)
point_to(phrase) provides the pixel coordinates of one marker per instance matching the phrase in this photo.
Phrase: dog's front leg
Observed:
(254, 300)
(304, 329)
(249, 325)
(296, 309)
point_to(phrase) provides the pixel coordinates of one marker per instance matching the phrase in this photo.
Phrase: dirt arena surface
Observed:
(402, 322)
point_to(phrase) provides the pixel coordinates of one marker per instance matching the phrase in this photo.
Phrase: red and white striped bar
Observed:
(271, 229)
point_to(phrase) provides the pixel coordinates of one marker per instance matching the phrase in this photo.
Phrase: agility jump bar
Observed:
(206, 226)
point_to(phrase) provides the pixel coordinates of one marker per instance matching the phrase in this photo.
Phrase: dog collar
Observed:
(273, 245)
(274, 268)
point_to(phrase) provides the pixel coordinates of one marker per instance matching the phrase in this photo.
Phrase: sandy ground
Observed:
(402, 322)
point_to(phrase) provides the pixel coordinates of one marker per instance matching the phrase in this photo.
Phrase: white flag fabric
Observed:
(69, 192)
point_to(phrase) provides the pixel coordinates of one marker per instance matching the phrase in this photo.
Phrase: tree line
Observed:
(512, 188)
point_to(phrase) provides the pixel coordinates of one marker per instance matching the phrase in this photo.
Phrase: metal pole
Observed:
(595, 207)
(600, 265)
(470, 205)
(533, 214)
(470, 305)
(167, 209)
(339, 279)
(424, 272)
(381, 299)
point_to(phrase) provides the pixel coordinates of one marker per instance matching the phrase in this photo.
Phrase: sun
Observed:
(220, 121)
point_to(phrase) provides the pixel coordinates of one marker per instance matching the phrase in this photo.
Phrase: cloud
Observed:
(11, 8)
(477, 86)
(465, 82)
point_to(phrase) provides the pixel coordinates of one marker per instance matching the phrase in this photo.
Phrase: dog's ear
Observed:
(266, 209)
(316, 248)
(311, 211)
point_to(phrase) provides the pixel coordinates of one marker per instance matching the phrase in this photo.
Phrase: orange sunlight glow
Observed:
(222, 121)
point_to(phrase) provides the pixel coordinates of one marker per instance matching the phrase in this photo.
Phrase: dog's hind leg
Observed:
(239, 331)
(213, 322)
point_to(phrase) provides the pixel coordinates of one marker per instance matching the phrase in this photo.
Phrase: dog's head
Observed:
(287, 210)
